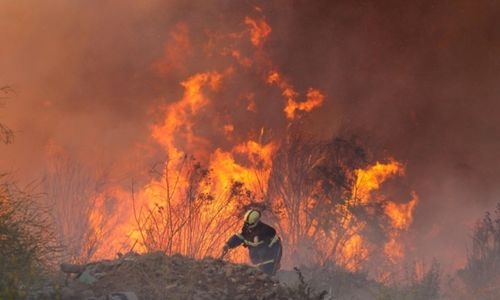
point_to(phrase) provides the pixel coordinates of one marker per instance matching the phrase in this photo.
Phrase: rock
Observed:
(68, 294)
(262, 277)
(86, 277)
(72, 268)
(123, 296)
(158, 276)
(88, 294)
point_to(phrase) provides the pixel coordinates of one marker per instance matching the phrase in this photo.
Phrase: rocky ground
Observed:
(157, 276)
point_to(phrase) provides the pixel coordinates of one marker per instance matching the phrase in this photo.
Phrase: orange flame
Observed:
(346, 244)
(353, 253)
(314, 97)
(401, 215)
(178, 120)
(191, 206)
(370, 179)
(176, 50)
(109, 225)
(259, 31)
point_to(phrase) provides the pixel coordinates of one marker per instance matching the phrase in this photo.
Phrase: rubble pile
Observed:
(157, 276)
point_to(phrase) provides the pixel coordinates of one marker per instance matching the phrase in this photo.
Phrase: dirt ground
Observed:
(157, 276)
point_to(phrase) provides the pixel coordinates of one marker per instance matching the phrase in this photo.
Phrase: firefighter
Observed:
(262, 241)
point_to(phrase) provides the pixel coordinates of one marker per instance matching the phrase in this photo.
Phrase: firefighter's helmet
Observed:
(252, 218)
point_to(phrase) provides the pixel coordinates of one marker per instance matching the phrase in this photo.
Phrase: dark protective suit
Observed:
(264, 246)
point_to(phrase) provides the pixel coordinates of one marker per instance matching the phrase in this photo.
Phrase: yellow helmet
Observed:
(252, 218)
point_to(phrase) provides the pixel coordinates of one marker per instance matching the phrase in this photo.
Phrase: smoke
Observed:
(416, 81)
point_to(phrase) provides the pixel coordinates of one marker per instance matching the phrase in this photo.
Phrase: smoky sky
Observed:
(420, 81)
(417, 81)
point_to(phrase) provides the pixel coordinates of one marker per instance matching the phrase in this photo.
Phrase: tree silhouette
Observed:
(482, 270)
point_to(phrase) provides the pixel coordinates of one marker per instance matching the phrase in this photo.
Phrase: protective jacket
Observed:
(264, 246)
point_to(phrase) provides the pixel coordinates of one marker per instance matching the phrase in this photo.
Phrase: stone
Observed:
(86, 277)
(123, 296)
(72, 268)
(68, 294)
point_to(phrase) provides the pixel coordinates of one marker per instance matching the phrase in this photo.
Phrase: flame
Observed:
(401, 215)
(370, 179)
(109, 221)
(176, 51)
(251, 106)
(227, 170)
(247, 163)
(346, 244)
(240, 58)
(228, 129)
(314, 97)
(192, 203)
(394, 249)
(179, 116)
(259, 31)
(353, 253)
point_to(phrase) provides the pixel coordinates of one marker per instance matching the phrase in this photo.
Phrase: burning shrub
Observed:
(74, 193)
(309, 182)
(186, 217)
(324, 195)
